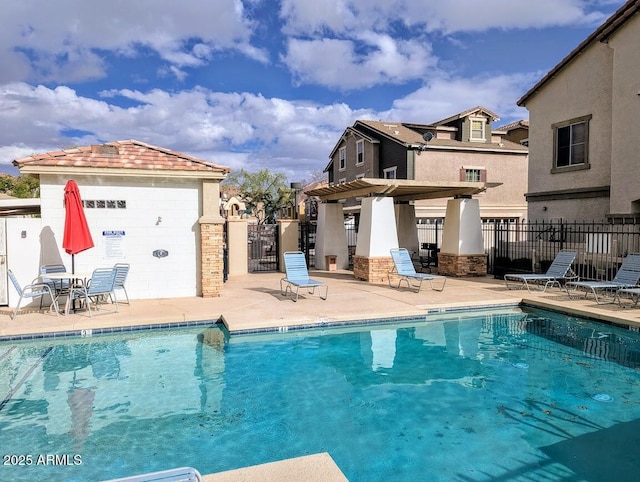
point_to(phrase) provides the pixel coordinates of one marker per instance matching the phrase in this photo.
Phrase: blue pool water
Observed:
(506, 395)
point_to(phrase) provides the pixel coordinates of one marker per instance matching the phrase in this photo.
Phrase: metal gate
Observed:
(307, 242)
(263, 247)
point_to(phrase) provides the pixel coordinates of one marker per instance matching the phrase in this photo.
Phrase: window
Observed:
(359, 152)
(359, 176)
(342, 156)
(472, 175)
(477, 129)
(104, 204)
(390, 173)
(571, 141)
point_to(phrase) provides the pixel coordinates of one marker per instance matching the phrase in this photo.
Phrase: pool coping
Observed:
(330, 323)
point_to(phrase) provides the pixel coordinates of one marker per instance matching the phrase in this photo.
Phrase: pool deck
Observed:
(253, 302)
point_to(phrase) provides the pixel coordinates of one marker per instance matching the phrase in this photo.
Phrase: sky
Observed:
(271, 84)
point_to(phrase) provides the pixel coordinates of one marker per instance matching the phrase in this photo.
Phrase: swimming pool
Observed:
(510, 394)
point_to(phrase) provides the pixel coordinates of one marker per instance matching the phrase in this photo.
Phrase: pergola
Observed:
(387, 221)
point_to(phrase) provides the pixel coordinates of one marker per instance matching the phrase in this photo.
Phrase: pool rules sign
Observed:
(113, 242)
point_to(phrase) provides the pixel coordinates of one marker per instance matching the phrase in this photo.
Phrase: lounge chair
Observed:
(182, 474)
(627, 276)
(297, 276)
(122, 271)
(99, 288)
(559, 270)
(33, 290)
(404, 268)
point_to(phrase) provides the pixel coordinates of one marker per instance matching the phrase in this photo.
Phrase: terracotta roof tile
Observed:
(129, 154)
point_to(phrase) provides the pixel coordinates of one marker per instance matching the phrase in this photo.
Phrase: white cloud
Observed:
(335, 63)
(63, 38)
(444, 96)
(347, 16)
(239, 129)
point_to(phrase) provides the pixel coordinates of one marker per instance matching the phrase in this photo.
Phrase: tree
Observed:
(264, 192)
(21, 186)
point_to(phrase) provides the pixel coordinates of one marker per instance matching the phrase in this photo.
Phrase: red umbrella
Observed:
(77, 236)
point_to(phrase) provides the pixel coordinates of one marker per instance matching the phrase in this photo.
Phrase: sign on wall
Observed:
(113, 242)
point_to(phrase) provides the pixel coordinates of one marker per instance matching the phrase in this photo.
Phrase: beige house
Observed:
(585, 148)
(463, 147)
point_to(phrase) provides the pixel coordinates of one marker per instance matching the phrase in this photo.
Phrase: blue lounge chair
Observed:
(99, 288)
(297, 276)
(122, 271)
(627, 276)
(182, 474)
(33, 290)
(559, 270)
(403, 267)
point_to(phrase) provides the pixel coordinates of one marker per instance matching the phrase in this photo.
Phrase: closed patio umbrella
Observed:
(77, 236)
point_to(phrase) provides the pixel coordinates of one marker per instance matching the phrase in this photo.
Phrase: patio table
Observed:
(72, 278)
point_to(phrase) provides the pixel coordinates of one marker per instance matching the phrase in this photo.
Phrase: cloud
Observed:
(369, 60)
(64, 40)
(239, 129)
(345, 17)
(446, 96)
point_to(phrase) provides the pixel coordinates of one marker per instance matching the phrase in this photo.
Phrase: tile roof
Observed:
(601, 34)
(129, 154)
(514, 125)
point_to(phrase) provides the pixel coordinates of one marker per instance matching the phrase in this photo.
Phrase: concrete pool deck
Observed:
(254, 302)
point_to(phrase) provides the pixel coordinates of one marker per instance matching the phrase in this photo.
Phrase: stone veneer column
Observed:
(462, 252)
(211, 241)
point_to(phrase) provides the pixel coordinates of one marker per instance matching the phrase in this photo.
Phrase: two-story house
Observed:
(584, 143)
(463, 147)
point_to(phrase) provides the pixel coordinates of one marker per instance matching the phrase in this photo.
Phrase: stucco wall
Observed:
(159, 214)
(23, 253)
(582, 88)
(625, 153)
(509, 169)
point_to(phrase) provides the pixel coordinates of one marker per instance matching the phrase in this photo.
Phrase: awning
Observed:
(400, 189)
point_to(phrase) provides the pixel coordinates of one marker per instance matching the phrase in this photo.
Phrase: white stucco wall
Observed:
(176, 202)
(22, 253)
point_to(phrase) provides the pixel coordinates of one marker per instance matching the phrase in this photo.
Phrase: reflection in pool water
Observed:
(527, 395)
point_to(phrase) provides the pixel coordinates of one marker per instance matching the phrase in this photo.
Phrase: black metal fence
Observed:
(262, 247)
(525, 247)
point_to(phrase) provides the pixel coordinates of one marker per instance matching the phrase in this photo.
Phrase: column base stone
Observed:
(459, 265)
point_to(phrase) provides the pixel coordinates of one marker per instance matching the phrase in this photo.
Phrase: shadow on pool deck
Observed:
(254, 301)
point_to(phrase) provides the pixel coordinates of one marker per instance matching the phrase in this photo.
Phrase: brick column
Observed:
(211, 246)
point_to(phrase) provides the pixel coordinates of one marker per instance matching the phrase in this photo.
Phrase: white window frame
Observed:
(342, 180)
(359, 152)
(342, 159)
(359, 176)
(390, 170)
(474, 173)
(483, 122)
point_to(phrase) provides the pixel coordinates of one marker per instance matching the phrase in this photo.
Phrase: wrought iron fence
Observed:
(531, 247)
(262, 247)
